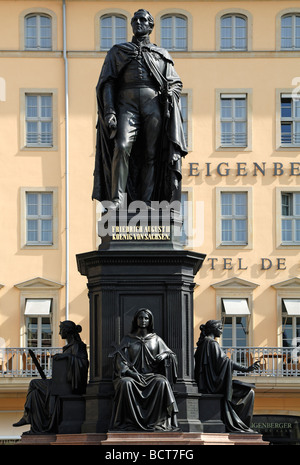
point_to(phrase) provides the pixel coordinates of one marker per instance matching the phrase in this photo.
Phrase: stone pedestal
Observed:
(145, 267)
(117, 442)
(210, 413)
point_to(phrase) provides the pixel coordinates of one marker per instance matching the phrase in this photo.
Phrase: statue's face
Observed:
(143, 320)
(218, 330)
(63, 332)
(140, 24)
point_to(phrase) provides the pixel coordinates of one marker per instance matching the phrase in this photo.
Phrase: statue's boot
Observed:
(21, 422)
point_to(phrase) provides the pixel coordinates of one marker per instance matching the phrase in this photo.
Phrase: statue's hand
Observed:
(255, 366)
(111, 121)
(137, 376)
(161, 357)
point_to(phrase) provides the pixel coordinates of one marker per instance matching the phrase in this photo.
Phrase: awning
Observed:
(236, 307)
(292, 306)
(38, 306)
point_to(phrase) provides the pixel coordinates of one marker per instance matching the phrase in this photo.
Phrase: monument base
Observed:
(37, 439)
(146, 439)
(140, 263)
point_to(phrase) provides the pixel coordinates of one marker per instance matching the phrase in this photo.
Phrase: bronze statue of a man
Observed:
(140, 138)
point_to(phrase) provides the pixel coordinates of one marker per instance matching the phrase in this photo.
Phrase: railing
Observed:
(17, 362)
(273, 361)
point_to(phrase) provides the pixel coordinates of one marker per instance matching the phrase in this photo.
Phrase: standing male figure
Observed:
(140, 138)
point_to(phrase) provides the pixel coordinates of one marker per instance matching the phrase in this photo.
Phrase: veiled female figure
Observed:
(41, 409)
(144, 399)
(213, 374)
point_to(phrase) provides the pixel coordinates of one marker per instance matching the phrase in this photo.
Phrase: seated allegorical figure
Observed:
(41, 409)
(144, 399)
(213, 374)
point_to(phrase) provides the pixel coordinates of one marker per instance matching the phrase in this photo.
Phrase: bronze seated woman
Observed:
(144, 399)
(213, 374)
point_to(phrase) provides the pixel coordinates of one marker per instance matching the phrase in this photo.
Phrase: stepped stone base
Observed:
(139, 439)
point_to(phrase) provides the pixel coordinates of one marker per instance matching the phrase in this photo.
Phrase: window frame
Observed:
(238, 12)
(234, 329)
(97, 25)
(236, 288)
(23, 119)
(113, 16)
(189, 27)
(280, 244)
(24, 243)
(233, 37)
(293, 15)
(38, 218)
(234, 245)
(38, 28)
(174, 28)
(295, 323)
(234, 218)
(234, 120)
(290, 120)
(289, 289)
(39, 318)
(38, 119)
(233, 94)
(38, 11)
(40, 288)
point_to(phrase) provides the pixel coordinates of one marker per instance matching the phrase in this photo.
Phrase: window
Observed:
(234, 331)
(235, 317)
(113, 30)
(290, 217)
(174, 32)
(234, 218)
(291, 323)
(234, 306)
(39, 120)
(233, 120)
(233, 32)
(234, 213)
(38, 322)
(39, 312)
(38, 32)
(39, 218)
(290, 120)
(290, 32)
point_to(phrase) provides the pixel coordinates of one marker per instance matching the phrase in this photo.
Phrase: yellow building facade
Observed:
(239, 63)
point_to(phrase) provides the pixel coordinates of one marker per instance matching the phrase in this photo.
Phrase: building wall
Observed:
(262, 72)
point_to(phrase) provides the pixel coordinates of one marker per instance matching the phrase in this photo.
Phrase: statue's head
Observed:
(138, 314)
(68, 328)
(212, 327)
(142, 23)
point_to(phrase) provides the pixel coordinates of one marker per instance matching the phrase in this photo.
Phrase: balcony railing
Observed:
(273, 361)
(17, 362)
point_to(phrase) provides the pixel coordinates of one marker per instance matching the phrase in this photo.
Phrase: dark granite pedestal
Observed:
(140, 264)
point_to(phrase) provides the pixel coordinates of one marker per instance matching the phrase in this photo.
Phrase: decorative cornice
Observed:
(131, 258)
(234, 283)
(38, 284)
(291, 283)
